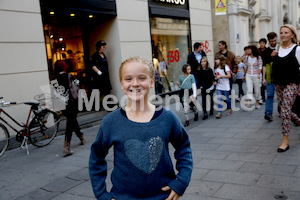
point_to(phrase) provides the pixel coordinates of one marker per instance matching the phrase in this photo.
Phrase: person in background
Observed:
(207, 85)
(286, 76)
(267, 75)
(253, 74)
(223, 75)
(194, 59)
(246, 53)
(262, 49)
(100, 74)
(230, 60)
(140, 134)
(71, 110)
(240, 76)
(188, 87)
(163, 73)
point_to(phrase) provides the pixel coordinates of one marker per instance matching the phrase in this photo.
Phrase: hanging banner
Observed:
(220, 6)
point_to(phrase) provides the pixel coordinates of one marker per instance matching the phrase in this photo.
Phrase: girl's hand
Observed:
(192, 97)
(218, 77)
(258, 76)
(173, 195)
(177, 83)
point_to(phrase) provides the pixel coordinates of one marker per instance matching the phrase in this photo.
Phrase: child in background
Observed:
(240, 76)
(140, 133)
(222, 72)
(187, 84)
(207, 84)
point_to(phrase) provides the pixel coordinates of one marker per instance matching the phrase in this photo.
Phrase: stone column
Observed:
(232, 18)
(293, 10)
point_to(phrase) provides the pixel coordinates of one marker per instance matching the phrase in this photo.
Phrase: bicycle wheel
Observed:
(43, 128)
(4, 139)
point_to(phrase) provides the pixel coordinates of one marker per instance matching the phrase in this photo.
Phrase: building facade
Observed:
(36, 33)
(247, 21)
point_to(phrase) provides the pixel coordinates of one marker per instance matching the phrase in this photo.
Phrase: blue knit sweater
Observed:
(142, 164)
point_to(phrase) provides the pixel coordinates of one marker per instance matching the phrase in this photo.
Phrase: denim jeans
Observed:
(228, 100)
(270, 98)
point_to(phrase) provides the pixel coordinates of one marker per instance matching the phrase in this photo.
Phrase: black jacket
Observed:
(206, 78)
(192, 61)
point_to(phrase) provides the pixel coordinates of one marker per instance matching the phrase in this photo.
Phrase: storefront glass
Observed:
(170, 45)
(65, 43)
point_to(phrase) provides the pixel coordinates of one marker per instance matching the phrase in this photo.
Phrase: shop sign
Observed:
(181, 2)
(177, 4)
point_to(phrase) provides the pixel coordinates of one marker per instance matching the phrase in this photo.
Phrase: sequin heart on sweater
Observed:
(145, 156)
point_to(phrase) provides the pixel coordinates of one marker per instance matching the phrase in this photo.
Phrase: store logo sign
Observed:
(177, 2)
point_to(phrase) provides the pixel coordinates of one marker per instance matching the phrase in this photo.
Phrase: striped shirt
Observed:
(253, 65)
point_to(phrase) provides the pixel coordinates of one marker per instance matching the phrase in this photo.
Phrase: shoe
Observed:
(229, 112)
(196, 117)
(238, 99)
(67, 151)
(257, 106)
(82, 139)
(205, 116)
(186, 123)
(279, 150)
(269, 118)
(219, 115)
(211, 112)
(261, 102)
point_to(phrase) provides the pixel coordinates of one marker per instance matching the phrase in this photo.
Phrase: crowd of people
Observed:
(264, 71)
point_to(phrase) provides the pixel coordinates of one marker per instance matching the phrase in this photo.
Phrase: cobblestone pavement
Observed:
(235, 158)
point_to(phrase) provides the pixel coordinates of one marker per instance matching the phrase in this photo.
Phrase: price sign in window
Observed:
(170, 45)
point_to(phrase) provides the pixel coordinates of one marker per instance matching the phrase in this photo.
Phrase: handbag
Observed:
(73, 88)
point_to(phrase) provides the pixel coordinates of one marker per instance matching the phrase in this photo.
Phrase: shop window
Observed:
(170, 46)
(65, 43)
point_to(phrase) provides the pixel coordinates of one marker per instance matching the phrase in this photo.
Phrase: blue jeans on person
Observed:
(270, 98)
(228, 100)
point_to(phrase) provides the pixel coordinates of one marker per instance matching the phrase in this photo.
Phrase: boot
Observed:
(187, 123)
(82, 139)
(205, 116)
(196, 117)
(67, 151)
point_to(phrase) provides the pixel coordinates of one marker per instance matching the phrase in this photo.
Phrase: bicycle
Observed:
(40, 128)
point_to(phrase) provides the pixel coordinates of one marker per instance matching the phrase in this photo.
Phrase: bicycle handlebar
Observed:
(5, 103)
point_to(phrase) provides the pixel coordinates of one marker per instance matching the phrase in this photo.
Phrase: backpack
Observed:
(73, 88)
(230, 73)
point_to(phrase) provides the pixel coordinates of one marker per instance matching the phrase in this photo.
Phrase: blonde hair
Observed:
(242, 60)
(293, 29)
(138, 60)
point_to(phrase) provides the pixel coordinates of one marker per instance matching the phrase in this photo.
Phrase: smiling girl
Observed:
(140, 134)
